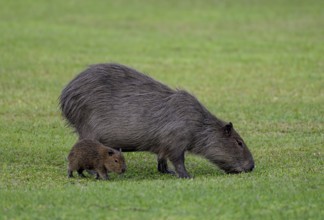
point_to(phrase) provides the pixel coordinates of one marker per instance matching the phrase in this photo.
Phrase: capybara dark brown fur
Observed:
(119, 106)
(92, 155)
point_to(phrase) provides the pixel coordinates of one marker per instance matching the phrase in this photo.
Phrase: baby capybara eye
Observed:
(116, 161)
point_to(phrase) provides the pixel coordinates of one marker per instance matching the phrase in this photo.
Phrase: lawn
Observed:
(258, 64)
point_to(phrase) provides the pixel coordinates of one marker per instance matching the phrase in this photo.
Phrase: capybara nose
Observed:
(123, 170)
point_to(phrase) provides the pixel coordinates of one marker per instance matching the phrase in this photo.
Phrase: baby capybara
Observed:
(92, 155)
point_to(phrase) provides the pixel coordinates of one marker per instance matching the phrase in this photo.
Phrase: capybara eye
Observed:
(240, 143)
(116, 161)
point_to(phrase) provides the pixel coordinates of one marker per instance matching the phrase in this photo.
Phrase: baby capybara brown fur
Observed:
(91, 155)
(119, 106)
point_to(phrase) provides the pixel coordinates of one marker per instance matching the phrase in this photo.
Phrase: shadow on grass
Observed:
(143, 166)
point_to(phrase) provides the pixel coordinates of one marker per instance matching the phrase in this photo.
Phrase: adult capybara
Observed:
(120, 106)
(92, 155)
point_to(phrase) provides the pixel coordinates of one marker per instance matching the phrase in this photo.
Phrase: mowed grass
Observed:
(258, 64)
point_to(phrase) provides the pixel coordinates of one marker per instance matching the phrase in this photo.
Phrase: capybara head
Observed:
(225, 148)
(115, 161)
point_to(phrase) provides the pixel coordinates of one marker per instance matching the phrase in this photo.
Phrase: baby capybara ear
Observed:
(111, 152)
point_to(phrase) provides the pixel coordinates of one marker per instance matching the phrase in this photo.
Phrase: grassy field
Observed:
(259, 64)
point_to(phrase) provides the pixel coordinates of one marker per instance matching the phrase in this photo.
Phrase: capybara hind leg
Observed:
(80, 172)
(163, 166)
(178, 163)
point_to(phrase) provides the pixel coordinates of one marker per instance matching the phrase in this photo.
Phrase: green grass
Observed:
(258, 64)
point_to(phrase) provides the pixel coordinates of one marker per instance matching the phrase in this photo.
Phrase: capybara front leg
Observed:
(180, 168)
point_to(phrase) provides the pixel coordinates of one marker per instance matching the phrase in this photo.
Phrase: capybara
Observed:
(91, 155)
(119, 106)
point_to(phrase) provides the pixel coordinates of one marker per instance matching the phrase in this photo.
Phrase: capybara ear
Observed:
(228, 129)
(111, 152)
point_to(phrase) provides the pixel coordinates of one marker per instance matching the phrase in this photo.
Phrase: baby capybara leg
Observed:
(80, 172)
(102, 173)
(70, 173)
(91, 172)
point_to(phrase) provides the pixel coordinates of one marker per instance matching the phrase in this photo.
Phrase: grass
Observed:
(258, 64)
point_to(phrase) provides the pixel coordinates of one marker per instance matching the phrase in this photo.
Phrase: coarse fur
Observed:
(120, 106)
(92, 155)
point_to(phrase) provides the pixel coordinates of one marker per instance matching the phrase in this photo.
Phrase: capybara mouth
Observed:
(229, 169)
(239, 170)
(122, 171)
(233, 171)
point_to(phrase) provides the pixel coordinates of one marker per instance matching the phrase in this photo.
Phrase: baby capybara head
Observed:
(225, 148)
(115, 161)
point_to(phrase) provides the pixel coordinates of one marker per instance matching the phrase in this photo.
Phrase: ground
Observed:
(258, 64)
